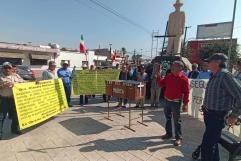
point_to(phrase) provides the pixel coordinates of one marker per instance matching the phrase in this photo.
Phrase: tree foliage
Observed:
(209, 50)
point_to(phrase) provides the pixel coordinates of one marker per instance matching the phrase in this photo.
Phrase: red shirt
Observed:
(176, 87)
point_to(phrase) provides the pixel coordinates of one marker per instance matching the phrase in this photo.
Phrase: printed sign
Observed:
(36, 103)
(197, 93)
(86, 82)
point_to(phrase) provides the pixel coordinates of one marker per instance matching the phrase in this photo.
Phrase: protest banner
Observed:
(37, 102)
(88, 82)
(196, 97)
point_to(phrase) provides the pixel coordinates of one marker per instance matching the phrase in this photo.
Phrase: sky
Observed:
(63, 21)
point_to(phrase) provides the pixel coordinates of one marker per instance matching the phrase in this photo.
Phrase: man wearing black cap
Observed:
(176, 91)
(221, 93)
(7, 81)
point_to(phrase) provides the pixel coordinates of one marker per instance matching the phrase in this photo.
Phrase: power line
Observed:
(114, 12)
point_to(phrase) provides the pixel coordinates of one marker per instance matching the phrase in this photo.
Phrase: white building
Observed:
(75, 58)
(36, 57)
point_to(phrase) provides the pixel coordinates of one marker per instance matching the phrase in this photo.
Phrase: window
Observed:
(15, 61)
(85, 62)
(38, 62)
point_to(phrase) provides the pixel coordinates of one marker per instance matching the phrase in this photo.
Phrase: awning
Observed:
(40, 56)
(12, 55)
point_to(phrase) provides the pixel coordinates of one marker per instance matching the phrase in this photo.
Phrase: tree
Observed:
(207, 51)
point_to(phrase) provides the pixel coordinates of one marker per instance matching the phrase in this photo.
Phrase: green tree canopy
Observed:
(209, 50)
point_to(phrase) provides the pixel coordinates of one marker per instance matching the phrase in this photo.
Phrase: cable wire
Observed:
(114, 12)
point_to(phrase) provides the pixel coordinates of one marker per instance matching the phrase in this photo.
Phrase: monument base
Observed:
(170, 58)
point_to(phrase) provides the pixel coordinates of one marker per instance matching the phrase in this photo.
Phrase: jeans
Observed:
(173, 109)
(214, 122)
(124, 101)
(8, 106)
(67, 88)
(155, 97)
(81, 99)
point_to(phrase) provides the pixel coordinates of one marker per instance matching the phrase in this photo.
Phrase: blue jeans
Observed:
(67, 88)
(173, 109)
(214, 122)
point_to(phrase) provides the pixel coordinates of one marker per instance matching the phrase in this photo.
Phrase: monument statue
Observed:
(175, 30)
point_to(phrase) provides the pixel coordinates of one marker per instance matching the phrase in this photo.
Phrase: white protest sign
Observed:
(196, 97)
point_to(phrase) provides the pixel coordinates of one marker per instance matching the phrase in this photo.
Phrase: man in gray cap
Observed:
(221, 93)
(7, 81)
(50, 72)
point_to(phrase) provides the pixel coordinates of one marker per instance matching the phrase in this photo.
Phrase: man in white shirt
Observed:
(50, 72)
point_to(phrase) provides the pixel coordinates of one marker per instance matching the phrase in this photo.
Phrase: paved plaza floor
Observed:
(83, 134)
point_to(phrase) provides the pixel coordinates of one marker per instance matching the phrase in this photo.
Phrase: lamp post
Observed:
(231, 37)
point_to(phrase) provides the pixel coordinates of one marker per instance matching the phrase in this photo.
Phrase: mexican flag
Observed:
(82, 48)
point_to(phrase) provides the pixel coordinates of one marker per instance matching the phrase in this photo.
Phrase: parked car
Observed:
(24, 71)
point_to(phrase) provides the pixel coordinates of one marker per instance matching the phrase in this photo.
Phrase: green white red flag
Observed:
(82, 45)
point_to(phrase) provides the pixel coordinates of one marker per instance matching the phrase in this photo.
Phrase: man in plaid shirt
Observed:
(223, 95)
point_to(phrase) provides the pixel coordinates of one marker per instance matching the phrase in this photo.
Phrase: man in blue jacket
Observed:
(65, 74)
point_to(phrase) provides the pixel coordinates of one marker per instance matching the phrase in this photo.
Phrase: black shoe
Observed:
(18, 132)
(166, 137)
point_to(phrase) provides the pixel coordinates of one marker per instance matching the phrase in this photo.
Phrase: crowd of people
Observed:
(222, 97)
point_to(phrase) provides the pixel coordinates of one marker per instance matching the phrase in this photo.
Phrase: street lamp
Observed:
(231, 37)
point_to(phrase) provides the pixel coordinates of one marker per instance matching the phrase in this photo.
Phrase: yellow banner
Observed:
(36, 103)
(86, 82)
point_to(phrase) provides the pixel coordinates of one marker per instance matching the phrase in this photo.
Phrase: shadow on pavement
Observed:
(139, 143)
(7, 135)
(84, 126)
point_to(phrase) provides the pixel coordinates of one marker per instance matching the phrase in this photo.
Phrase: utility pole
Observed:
(110, 50)
(152, 37)
(134, 56)
(157, 45)
(185, 36)
(140, 57)
(231, 37)
(154, 44)
(164, 40)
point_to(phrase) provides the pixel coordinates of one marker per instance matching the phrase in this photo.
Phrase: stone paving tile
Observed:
(82, 134)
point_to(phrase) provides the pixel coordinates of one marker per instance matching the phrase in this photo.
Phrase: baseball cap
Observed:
(52, 63)
(217, 56)
(66, 62)
(7, 64)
